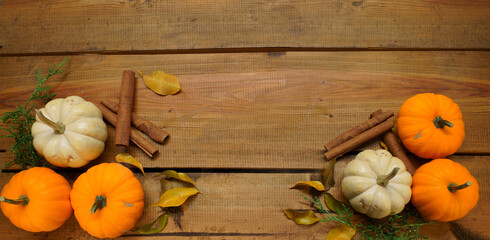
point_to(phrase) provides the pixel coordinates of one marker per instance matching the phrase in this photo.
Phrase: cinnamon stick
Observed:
(355, 131)
(152, 130)
(126, 95)
(359, 140)
(394, 147)
(135, 137)
(397, 150)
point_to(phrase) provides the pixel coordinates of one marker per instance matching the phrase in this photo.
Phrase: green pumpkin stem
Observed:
(441, 123)
(100, 202)
(59, 128)
(383, 180)
(453, 187)
(23, 200)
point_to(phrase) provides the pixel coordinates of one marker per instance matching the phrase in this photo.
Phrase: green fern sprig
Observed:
(19, 122)
(405, 225)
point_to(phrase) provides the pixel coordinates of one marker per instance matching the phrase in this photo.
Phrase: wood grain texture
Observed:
(249, 206)
(260, 110)
(147, 25)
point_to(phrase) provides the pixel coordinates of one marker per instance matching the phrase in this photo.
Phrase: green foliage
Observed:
(404, 225)
(19, 123)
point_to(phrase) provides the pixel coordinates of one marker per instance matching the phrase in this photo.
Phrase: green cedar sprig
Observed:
(404, 225)
(19, 123)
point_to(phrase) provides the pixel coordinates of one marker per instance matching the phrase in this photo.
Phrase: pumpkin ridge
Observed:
(447, 109)
(82, 110)
(429, 179)
(451, 210)
(117, 225)
(28, 223)
(124, 176)
(88, 134)
(119, 192)
(59, 194)
(74, 144)
(54, 217)
(393, 191)
(359, 192)
(29, 186)
(426, 147)
(391, 187)
(376, 187)
(68, 104)
(375, 196)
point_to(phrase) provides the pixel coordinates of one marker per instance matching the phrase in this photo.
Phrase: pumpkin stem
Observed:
(59, 128)
(440, 123)
(383, 180)
(100, 202)
(23, 200)
(453, 187)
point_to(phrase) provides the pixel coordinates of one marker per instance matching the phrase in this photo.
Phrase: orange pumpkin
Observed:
(430, 125)
(37, 200)
(107, 200)
(444, 190)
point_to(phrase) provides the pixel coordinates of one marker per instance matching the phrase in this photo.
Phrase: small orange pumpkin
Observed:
(107, 200)
(37, 200)
(430, 125)
(444, 190)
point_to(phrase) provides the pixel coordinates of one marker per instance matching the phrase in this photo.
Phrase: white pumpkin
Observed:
(373, 185)
(69, 132)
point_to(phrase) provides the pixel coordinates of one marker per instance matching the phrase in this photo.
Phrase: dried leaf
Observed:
(178, 176)
(147, 228)
(175, 197)
(161, 83)
(334, 204)
(306, 217)
(328, 174)
(383, 145)
(341, 232)
(314, 184)
(126, 158)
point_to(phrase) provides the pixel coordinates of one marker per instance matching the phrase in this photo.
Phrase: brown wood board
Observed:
(249, 206)
(142, 25)
(263, 110)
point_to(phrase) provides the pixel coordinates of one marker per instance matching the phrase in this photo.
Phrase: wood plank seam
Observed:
(240, 50)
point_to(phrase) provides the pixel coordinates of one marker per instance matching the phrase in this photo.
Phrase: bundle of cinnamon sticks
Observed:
(378, 124)
(121, 116)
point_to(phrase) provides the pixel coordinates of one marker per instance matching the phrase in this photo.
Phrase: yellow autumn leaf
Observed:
(147, 228)
(306, 217)
(126, 158)
(383, 145)
(161, 82)
(175, 197)
(334, 204)
(179, 176)
(328, 174)
(341, 232)
(314, 184)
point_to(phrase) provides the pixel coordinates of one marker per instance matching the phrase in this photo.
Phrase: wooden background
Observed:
(265, 85)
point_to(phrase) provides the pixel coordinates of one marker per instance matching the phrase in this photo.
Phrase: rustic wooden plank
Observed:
(139, 25)
(249, 206)
(260, 110)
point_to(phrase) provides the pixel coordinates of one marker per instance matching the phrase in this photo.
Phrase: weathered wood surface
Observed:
(260, 110)
(145, 25)
(265, 85)
(249, 206)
